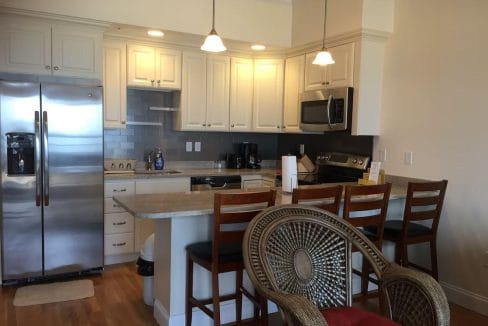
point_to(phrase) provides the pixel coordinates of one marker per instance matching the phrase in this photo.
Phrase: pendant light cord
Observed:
(325, 16)
(213, 15)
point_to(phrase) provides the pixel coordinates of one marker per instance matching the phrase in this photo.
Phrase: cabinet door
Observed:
(76, 51)
(25, 46)
(340, 74)
(114, 84)
(193, 92)
(140, 65)
(268, 95)
(315, 75)
(294, 80)
(241, 89)
(168, 68)
(218, 88)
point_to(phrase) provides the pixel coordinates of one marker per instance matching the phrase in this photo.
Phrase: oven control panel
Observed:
(353, 161)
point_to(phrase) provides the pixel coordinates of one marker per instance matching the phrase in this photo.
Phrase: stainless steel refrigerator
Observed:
(51, 193)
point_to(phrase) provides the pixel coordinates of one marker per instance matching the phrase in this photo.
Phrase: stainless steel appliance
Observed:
(220, 182)
(326, 110)
(51, 158)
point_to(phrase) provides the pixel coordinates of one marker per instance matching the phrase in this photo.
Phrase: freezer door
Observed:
(72, 121)
(21, 221)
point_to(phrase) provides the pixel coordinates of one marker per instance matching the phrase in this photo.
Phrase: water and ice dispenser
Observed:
(20, 153)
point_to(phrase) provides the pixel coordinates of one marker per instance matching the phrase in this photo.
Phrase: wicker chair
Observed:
(300, 258)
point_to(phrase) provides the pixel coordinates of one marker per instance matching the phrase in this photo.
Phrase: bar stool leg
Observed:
(398, 253)
(215, 298)
(263, 304)
(364, 277)
(238, 296)
(404, 248)
(189, 289)
(433, 259)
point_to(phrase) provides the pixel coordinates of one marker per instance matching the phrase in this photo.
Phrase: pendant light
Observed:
(213, 42)
(324, 57)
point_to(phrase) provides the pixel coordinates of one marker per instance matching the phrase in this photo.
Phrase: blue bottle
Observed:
(158, 159)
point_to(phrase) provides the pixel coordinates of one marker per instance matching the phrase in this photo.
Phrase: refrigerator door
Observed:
(21, 219)
(72, 121)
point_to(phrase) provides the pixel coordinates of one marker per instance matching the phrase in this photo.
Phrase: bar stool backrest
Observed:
(327, 198)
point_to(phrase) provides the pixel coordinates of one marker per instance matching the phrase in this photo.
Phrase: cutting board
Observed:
(306, 163)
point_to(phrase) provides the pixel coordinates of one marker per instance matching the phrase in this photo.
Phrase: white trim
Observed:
(465, 298)
(122, 258)
(227, 314)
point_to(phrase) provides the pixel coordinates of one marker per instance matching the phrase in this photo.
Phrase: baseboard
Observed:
(227, 314)
(465, 298)
(122, 258)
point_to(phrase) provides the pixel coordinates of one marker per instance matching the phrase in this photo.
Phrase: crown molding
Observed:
(59, 17)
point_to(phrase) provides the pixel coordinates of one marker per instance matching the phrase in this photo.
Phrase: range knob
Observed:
(360, 162)
(354, 161)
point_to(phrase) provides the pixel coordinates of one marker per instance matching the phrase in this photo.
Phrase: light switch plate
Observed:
(382, 155)
(198, 146)
(189, 146)
(408, 158)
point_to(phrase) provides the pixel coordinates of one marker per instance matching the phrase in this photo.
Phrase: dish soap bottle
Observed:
(158, 159)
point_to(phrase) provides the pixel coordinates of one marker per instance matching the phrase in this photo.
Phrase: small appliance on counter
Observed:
(249, 155)
(234, 161)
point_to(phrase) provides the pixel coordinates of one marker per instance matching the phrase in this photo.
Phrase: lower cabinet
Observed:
(256, 181)
(124, 234)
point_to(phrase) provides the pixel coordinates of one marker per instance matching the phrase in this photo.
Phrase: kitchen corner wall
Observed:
(135, 141)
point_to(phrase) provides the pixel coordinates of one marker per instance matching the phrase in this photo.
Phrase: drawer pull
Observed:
(121, 190)
(115, 205)
(119, 223)
(119, 244)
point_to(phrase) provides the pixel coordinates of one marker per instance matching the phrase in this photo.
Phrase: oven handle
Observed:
(329, 102)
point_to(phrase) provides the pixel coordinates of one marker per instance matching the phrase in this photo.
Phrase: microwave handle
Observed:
(329, 102)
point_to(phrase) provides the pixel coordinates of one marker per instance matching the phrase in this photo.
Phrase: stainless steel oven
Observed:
(326, 109)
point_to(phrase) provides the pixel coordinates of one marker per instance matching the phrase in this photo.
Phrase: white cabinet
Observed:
(205, 93)
(268, 95)
(114, 83)
(339, 74)
(294, 80)
(153, 67)
(241, 93)
(45, 47)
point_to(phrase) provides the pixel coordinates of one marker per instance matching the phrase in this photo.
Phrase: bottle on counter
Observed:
(158, 159)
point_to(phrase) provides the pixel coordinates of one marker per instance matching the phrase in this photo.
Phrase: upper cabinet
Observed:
(205, 92)
(241, 92)
(114, 83)
(153, 67)
(268, 95)
(339, 74)
(294, 81)
(45, 47)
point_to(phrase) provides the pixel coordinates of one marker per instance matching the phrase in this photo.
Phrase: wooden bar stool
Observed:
(326, 198)
(366, 206)
(424, 202)
(224, 253)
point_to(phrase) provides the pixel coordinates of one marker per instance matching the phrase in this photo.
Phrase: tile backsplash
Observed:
(135, 141)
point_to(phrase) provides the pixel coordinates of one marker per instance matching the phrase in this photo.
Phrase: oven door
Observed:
(325, 110)
(331, 174)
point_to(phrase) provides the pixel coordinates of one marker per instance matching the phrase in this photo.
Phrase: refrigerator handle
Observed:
(45, 160)
(37, 151)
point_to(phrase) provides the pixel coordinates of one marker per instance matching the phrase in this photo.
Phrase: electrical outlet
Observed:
(382, 155)
(198, 146)
(408, 158)
(189, 146)
(302, 149)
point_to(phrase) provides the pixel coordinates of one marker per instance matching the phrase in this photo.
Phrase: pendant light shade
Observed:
(324, 57)
(213, 42)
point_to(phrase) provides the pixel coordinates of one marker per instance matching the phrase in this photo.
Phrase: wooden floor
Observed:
(118, 301)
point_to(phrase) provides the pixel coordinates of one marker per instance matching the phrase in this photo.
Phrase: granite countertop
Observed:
(189, 172)
(195, 203)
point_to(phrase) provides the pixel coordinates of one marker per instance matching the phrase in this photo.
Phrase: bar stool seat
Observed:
(203, 250)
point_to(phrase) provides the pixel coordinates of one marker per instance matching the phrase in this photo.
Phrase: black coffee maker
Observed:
(249, 154)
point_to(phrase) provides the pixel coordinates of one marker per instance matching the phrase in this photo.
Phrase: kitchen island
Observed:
(185, 218)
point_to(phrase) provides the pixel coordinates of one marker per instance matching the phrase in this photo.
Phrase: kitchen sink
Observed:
(161, 172)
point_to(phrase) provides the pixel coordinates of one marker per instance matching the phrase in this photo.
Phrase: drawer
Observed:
(116, 244)
(111, 206)
(119, 223)
(119, 188)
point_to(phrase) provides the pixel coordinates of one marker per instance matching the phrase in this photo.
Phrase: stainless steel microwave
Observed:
(326, 109)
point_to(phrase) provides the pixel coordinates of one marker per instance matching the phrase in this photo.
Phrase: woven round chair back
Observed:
(307, 251)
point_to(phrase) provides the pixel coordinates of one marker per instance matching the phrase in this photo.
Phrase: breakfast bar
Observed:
(184, 218)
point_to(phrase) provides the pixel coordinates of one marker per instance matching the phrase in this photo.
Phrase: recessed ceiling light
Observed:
(155, 33)
(258, 47)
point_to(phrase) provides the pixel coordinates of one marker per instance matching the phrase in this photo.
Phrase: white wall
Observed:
(267, 21)
(435, 104)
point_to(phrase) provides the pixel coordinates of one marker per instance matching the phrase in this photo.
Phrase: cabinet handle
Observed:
(278, 127)
(159, 82)
(48, 67)
(121, 190)
(232, 125)
(323, 83)
(122, 122)
(115, 205)
(203, 125)
(119, 223)
(327, 83)
(283, 127)
(56, 68)
(152, 81)
(209, 125)
(119, 244)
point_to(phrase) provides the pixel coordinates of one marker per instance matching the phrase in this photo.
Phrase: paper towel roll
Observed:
(288, 173)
